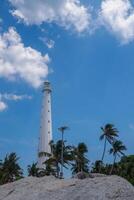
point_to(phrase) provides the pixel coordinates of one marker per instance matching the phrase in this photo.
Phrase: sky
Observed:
(85, 49)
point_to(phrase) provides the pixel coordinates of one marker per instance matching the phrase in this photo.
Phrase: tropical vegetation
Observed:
(33, 170)
(9, 169)
(117, 149)
(81, 162)
(54, 160)
(109, 134)
(75, 158)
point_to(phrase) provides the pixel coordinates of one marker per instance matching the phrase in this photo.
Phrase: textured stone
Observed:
(50, 188)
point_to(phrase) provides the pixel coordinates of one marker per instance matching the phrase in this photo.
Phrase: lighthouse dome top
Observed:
(47, 86)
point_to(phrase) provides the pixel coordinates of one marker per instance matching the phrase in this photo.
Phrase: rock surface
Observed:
(50, 188)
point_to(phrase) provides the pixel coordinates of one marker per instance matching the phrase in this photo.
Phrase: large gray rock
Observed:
(83, 175)
(50, 188)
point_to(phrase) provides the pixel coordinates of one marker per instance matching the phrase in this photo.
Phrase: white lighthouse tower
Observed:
(46, 126)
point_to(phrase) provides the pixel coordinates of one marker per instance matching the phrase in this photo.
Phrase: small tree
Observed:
(117, 150)
(54, 161)
(9, 169)
(33, 170)
(97, 166)
(109, 133)
(80, 161)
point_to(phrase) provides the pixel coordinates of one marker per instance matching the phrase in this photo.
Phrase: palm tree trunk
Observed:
(113, 165)
(105, 143)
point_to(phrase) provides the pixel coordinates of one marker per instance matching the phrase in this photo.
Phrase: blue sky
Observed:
(90, 65)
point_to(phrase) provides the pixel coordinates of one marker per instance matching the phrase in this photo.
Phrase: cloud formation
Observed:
(48, 42)
(11, 97)
(3, 106)
(118, 17)
(67, 13)
(18, 61)
(14, 97)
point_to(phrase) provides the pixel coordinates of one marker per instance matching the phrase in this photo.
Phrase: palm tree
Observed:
(117, 149)
(54, 161)
(62, 129)
(96, 166)
(49, 170)
(33, 170)
(80, 161)
(10, 169)
(109, 133)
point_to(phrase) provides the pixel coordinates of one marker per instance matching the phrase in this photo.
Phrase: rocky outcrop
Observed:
(50, 188)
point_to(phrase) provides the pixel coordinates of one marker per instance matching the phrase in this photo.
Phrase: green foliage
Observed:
(33, 170)
(117, 150)
(109, 134)
(109, 131)
(76, 157)
(54, 160)
(97, 166)
(49, 170)
(124, 168)
(9, 169)
(81, 162)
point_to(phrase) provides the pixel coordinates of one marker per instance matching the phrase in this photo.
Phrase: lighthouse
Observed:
(46, 126)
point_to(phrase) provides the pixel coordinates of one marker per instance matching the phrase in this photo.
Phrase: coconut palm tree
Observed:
(62, 129)
(10, 169)
(80, 161)
(96, 166)
(109, 134)
(117, 149)
(33, 170)
(54, 161)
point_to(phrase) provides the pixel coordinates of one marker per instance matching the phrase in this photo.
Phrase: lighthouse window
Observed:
(48, 132)
(48, 111)
(48, 101)
(48, 121)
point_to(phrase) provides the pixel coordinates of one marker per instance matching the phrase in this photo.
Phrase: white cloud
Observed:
(11, 97)
(3, 106)
(18, 61)
(48, 42)
(14, 97)
(67, 13)
(118, 17)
